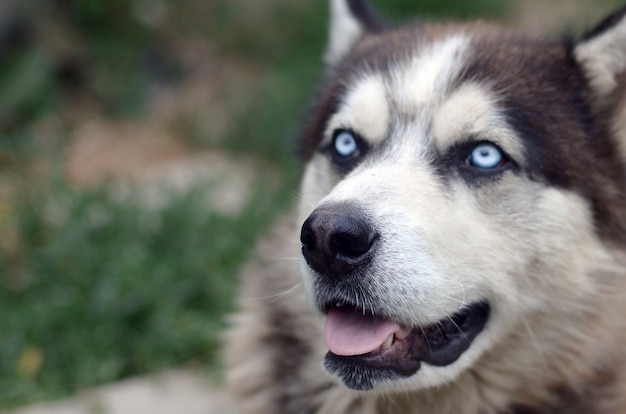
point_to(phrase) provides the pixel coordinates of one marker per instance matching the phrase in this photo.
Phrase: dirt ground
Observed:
(167, 393)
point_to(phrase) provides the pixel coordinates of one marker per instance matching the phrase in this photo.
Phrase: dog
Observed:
(460, 232)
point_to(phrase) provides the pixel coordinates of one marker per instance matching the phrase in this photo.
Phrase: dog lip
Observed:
(438, 344)
(450, 338)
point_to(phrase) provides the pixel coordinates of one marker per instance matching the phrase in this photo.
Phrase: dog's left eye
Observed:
(486, 156)
(347, 149)
(345, 144)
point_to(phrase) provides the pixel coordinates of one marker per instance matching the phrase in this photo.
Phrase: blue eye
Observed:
(344, 144)
(486, 156)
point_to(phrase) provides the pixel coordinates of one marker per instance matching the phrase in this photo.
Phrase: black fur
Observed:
(605, 25)
(365, 13)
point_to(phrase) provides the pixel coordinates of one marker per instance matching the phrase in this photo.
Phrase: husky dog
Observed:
(461, 230)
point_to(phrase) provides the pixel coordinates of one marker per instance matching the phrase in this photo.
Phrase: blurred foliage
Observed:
(27, 84)
(118, 51)
(93, 287)
(444, 9)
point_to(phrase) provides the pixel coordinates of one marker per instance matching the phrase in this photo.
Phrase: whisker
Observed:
(533, 337)
(287, 259)
(425, 338)
(282, 294)
(463, 301)
(459, 328)
(296, 194)
(452, 298)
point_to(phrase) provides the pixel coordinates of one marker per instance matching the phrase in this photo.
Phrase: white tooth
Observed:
(388, 342)
(402, 334)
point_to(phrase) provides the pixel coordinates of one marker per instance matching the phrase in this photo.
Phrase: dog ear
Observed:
(602, 54)
(349, 21)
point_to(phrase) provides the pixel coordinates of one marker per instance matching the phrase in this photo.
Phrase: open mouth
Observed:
(366, 349)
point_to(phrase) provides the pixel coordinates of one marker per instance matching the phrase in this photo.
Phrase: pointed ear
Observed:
(349, 21)
(602, 54)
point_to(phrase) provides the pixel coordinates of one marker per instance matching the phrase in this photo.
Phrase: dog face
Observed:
(456, 187)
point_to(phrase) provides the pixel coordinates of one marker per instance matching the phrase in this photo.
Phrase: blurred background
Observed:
(145, 145)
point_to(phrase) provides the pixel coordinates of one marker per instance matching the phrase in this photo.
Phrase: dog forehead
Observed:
(407, 74)
(424, 101)
(400, 80)
(395, 71)
(405, 89)
(424, 78)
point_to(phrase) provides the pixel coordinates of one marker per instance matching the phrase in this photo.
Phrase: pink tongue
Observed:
(348, 332)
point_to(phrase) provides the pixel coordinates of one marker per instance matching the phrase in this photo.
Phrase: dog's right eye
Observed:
(347, 148)
(486, 156)
(344, 144)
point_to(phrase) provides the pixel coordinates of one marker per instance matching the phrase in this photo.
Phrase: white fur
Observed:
(317, 179)
(345, 30)
(364, 109)
(425, 77)
(604, 57)
(472, 111)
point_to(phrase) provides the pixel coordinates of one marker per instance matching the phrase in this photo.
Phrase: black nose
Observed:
(337, 239)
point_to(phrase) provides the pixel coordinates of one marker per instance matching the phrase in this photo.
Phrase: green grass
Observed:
(106, 289)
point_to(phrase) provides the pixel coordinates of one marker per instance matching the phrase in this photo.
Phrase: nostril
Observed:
(351, 245)
(308, 240)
